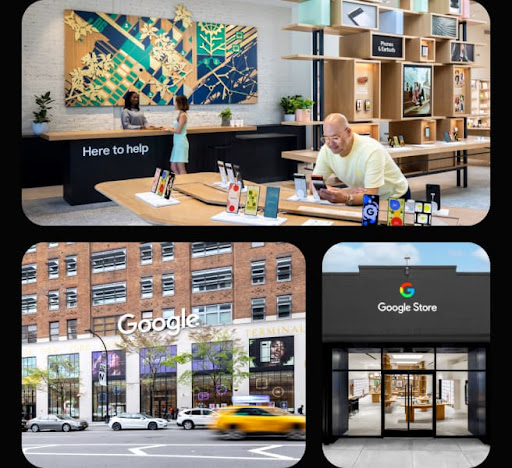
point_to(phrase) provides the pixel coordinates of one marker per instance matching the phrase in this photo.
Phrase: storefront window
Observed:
(425, 389)
(109, 399)
(157, 381)
(364, 358)
(115, 399)
(278, 385)
(408, 358)
(156, 397)
(211, 393)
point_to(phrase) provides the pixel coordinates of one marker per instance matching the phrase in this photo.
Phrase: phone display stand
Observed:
(156, 200)
(317, 222)
(226, 186)
(311, 199)
(443, 212)
(241, 218)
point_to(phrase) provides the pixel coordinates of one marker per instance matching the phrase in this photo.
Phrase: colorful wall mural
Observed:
(107, 55)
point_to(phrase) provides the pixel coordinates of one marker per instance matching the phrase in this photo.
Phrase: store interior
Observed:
(398, 394)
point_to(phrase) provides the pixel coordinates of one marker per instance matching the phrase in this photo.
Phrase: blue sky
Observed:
(347, 256)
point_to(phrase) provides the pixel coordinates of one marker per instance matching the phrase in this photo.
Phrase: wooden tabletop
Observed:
(189, 212)
(200, 199)
(120, 133)
(471, 142)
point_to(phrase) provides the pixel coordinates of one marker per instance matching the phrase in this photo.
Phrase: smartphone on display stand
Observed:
(169, 185)
(238, 175)
(230, 172)
(396, 211)
(271, 202)
(233, 203)
(253, 196)
(360, 18)
(422, 213)
(156, 178)
(370, 210)
(433, 195)
(301, 190)
(222, 172)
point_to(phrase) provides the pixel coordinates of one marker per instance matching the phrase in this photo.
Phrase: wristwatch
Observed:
(350, 199)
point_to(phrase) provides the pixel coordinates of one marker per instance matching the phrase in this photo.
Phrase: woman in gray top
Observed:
(132, 117)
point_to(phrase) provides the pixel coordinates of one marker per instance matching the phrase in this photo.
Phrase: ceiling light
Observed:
(407, 356)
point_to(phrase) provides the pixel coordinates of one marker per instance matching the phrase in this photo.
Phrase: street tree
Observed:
(218, 356)
(153, 349)
(60, 379)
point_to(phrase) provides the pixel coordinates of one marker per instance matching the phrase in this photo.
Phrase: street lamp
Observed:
(106, 366)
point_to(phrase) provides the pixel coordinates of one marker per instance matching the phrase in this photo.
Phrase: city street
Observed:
(99, 446)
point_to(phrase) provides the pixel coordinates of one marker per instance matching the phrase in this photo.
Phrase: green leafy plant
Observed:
(302, 102)
(225, 114)
(42, 102)
(289, 104)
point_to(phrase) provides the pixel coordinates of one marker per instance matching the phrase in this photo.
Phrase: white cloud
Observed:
(344, 257)
(481, 255)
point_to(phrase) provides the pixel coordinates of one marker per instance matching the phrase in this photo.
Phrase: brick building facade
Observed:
(258, 289)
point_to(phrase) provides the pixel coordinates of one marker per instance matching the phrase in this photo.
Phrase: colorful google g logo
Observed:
(406, 290)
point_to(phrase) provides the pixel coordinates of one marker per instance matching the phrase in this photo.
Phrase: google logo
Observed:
(406, 290)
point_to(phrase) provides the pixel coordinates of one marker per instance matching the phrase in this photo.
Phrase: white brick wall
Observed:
(43, 60)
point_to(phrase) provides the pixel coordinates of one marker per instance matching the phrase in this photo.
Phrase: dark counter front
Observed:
(97, 160)
(80, 160)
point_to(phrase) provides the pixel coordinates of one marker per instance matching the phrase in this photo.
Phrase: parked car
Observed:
(235, 422)
(56, 422)
(136, 421)
(24, 427)
(190, 418)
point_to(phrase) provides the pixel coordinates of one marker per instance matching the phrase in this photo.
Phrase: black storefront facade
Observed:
(406, 353)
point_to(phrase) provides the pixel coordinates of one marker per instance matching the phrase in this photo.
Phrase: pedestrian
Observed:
(179, 153)
(176, 411)
(171, 411)
(301, 409)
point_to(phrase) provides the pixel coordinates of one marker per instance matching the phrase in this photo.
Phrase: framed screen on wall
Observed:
(417, 90)
(461, 52)
(271, 352)
(359, 14)
(444, 26)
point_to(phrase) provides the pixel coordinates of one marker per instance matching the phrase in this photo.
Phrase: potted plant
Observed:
(225, 115)
(289, 106)
(303, 111)
(41, 117)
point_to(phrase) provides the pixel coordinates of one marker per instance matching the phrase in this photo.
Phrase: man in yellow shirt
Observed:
(360, 162)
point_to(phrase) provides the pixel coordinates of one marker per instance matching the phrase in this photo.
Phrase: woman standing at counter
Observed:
(179, 154)
(132, 117)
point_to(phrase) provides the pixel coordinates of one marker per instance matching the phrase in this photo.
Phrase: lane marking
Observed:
(161, 456)
(262, 451)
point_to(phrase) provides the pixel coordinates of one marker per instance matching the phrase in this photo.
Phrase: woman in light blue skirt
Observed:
(179, 154)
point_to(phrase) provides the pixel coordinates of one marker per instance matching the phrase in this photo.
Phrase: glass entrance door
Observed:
(408, 403)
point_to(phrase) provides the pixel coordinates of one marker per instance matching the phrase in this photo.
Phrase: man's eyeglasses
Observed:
(334, 139)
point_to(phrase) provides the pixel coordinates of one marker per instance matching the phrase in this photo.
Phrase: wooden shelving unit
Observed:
(427, 41)
(479, 123)
(452, 90)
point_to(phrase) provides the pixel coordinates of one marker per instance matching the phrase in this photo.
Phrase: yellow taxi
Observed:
(236, 422)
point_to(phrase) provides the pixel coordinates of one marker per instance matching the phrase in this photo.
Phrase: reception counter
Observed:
(97, 156)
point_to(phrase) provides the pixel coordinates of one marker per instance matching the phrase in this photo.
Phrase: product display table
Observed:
(417, 160)
(189, 211)
(101, 155)
(200, 199)
(409, 410)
